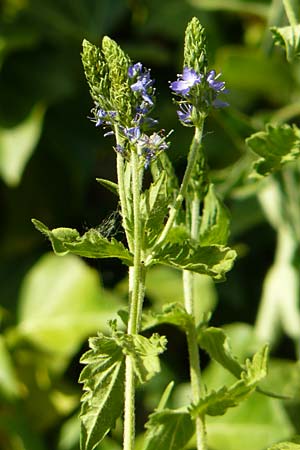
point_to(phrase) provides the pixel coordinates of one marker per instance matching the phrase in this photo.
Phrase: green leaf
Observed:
(103, 383)
(168, 430)
(217, 402)
(216, 343)
(17, 145)
(179, 252)
(154, 208)
(110, 185)
(9, 383)
(236, 6)
(144, 354)
(174, 314)
(61, 303)
(289, 38)
(278, 145)
(285, 446)
(91, 245)
(214, 227)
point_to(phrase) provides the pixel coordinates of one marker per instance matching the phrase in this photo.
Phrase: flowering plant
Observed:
(177, 223)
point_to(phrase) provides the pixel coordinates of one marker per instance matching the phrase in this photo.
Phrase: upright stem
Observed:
(192, 158)
(136, 291)
(290, 7)
(194, 359)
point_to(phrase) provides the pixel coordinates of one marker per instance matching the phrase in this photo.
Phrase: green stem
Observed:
(194, 359)
(192, 159)
(274, 19)
(290, 7)
(136, 291)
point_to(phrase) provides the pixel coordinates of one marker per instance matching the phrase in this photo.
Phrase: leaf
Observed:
(103, 383)
(217, 402)
(61, 303)
(278, 145)
(17, 145)
(91, 245)
(214, 228)
(168, 430)
(216, 343)
(285, 446)
(9, 383)
(289, 38)
(144, 354)
(174, 314)
(110, 185)
(178, 252)
(154, 208)
(236, 6)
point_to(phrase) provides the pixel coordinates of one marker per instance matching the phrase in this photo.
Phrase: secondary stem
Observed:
(289, 7)
(136, 291)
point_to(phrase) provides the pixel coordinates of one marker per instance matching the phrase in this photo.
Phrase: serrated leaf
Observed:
(103, 383)
(91, 245)
(181, 253)
(214, 227)
(216, 403)
(154, 208)
(216, 343)
(289, 38)
(168, 430)
(144, 354)
(278, 145)
(110, 185)
(173, 313)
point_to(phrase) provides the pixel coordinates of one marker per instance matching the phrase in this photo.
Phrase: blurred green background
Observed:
(50, 156)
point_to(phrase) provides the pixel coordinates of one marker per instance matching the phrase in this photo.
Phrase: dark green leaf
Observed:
(216, 343)
(178, 252)
(91, 245)
(289, 38)
(168, 430)
(278, 145)
(217, 402)
(103, 383)
(214, 228)
(154, 208)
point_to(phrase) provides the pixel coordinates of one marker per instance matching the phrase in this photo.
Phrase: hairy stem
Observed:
(136, 291)
(290, 10)
(123, 199)
(192, 159)
(194, 359)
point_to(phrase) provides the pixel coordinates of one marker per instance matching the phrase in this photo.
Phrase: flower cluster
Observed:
(134, 132)
(198, 90)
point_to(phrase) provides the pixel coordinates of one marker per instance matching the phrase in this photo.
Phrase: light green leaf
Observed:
(285, 446)
(178, 252)
(61, 303)
(9, 383)
(235, 6)
(216, 343)
(110, 185)
(103, 383)
(17, 145)
(289, 38)
(174, 314)
(91, 245)
(168, 430)
(144, 354)
(217, 402)
(214, 227)
(278, 145)
(154, 208)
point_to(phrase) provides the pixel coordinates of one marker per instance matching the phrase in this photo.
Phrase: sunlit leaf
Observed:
(103, 383)
(61, 303)
(91, 245)
(286, 445)
(9, 383)
(168, 430)
(289, 38)
(278, 145)
(17, 145)
(174, 314)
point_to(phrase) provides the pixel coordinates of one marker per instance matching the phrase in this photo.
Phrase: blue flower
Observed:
(217, 86)
(185, 112)
(188, 79)
(132, 133)
(143, 83)
(101, 117)
(135, 69)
